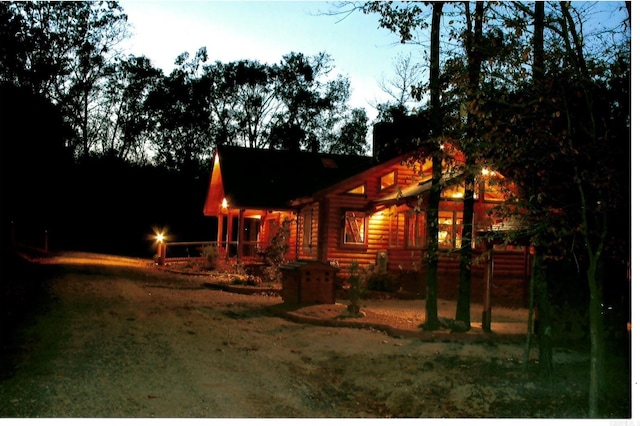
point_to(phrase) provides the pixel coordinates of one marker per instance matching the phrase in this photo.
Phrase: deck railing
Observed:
(188, 250)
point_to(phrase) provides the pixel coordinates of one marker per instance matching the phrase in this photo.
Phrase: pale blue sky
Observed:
(265, 31)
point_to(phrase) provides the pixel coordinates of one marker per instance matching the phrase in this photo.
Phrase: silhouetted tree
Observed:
(127, 124)
(180, 113)
(352, 136)
(61, 50)
(564, 138)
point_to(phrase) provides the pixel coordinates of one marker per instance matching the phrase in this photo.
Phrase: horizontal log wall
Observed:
(386, 231)
(308, 251)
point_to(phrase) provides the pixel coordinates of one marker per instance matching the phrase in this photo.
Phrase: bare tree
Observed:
(406, 76)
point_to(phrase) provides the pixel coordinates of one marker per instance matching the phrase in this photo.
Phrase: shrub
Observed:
(357, 288)
(253, 280)
(212, 257)
(277, 250)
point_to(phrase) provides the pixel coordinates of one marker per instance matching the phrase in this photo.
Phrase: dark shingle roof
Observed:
(263, 178)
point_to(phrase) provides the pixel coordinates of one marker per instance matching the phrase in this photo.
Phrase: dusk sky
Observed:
(265, 31)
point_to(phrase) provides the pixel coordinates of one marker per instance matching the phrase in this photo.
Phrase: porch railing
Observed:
(188, 250)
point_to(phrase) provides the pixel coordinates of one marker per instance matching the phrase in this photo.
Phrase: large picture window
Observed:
(450, 229)
(354, 225)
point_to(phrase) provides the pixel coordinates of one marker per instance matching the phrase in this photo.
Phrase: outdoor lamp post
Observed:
(162, 249)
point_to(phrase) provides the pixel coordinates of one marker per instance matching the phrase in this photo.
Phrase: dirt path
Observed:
(123, 342)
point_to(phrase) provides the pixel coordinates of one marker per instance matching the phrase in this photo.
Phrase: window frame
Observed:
(393, 229)
(391, 185)
(492, 182)
(457, 225)
(307, 231)
(355, 194)
(487, 190)
(344, 227)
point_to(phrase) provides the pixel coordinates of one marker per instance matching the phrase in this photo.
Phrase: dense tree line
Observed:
(80, 118)
(121, 106)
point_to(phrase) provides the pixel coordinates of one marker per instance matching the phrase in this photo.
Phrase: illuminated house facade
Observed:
(341, 209)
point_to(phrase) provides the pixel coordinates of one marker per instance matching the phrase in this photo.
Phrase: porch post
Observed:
(240, 232)
(297, 251)
(219, 234)
(229, 231)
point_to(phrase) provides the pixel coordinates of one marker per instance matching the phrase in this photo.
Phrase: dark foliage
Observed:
(33, 159)
(123, 204)
(97, 203)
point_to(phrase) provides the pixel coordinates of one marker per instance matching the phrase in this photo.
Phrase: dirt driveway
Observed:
(122, 341)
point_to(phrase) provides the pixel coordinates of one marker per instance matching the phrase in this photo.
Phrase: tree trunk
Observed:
(431, 304)
(530, 331)
(432, 322)
(595, 232)
(539, 278)
(596, 322)
(596, 335)
(541, 297)
(473, 46)
(539, 303)
(463, 307)
(538, 42)
(85, 123)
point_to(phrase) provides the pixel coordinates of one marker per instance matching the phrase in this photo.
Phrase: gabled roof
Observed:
(270, 179)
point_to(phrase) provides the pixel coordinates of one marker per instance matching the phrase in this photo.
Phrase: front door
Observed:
(250, 237)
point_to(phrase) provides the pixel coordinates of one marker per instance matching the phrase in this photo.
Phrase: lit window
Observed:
(388, 180)
(493, 189)
(456, 191)
(354, 228)
(358, 190)
(450, 229)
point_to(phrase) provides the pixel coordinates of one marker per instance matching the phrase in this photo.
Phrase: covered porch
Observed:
(238, 232)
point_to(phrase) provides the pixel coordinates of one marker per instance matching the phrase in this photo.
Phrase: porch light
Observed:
(159, 238)
(225, 204)
(487, 172)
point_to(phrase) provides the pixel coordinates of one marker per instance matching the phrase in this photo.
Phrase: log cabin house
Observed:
(339, 209)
